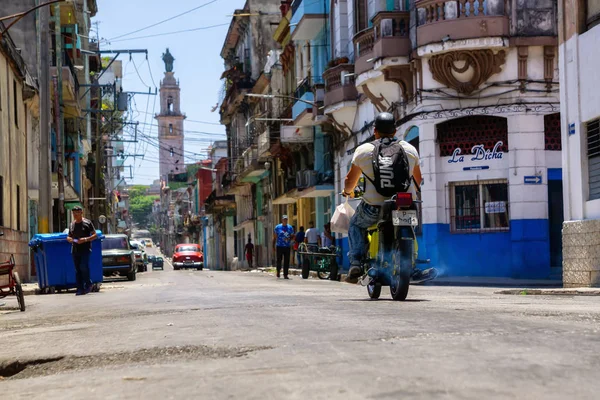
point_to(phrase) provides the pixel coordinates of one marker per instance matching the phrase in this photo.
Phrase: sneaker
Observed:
(285, 277)
(354, 273)
(78, 293)
(278, 274)
(88, 290)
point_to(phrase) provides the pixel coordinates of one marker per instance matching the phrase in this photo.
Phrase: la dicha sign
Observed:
(479, 153)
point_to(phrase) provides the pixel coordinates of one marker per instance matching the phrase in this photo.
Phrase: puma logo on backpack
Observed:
(391, 167)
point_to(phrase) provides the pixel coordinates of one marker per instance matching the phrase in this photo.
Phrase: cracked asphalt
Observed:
(228, 335)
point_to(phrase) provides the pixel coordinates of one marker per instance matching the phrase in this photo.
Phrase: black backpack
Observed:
(391, 167)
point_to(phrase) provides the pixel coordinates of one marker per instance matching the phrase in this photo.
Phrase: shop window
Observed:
(552, 132)
(593, 153)
(466, 132)
(479, 206)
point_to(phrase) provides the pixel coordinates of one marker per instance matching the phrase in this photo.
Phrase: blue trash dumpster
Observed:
(54, 263)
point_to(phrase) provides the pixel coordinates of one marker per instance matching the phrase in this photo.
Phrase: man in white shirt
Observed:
(312, 235)
(367, 212)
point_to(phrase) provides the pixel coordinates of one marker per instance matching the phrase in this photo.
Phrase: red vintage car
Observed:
(188, 255)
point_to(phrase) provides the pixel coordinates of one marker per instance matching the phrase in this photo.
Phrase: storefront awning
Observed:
(316, 191)
(288, 198)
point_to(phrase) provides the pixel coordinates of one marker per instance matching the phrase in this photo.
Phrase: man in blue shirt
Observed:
(283, 236)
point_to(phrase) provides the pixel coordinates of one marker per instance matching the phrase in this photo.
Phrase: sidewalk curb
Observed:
(552, 292)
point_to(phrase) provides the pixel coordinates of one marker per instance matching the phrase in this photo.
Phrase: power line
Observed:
(166, 20)
(203, 122)
(172, 33)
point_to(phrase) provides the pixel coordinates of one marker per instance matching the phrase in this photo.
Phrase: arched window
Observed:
(412, 137)
(170, 129)
(170, 104)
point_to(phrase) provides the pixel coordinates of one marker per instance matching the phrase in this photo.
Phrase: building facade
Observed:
(245, 54)
(579, 38)
(16, 88)
(474, 87)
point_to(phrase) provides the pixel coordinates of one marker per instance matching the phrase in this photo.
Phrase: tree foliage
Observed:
(140, 205)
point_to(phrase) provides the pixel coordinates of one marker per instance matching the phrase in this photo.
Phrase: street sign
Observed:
(477, 168)
(532, 180)
(571, 129)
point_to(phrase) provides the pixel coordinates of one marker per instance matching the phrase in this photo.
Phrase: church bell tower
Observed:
(170, 123)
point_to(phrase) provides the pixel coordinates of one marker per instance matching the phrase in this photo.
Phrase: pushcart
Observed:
(322, 260)
(10, 283)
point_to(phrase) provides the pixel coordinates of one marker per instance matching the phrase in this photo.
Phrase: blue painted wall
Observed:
(522, 252)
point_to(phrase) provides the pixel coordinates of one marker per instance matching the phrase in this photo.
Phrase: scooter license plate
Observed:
(405, 218)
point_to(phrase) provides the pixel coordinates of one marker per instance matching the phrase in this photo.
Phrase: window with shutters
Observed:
(593, 153)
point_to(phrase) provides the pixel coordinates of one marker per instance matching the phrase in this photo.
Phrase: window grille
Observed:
(479, 206)
(593, 153)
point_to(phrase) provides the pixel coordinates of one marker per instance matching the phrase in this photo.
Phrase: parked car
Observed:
(118, 257)
(158, 263)
(140, 256)
(188, 256)
(151, 258)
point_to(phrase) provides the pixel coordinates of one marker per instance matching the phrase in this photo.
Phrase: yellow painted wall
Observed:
(13, 147)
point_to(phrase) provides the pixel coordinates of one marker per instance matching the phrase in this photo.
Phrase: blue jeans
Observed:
(365, 216)
(82, 270)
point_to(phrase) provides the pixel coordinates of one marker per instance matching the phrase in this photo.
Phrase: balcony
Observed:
(459, 20)
(363, 50)
(339, 84)
(391, 34)
(264, 144)
(70, 83)
(251, 171)
(312, 184)
(302, 111)
(308, 18)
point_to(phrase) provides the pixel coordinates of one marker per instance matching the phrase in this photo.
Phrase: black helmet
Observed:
(385, 124)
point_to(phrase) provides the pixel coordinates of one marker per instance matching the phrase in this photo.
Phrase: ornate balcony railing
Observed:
(462, 19)
(363, 42)
(339, 84)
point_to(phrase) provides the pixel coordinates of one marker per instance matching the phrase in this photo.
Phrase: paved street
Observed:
(216, 335)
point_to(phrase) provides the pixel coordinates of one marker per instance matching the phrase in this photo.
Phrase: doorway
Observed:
(555, 221)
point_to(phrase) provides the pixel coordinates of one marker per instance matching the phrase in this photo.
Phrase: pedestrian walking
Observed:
(283, 235)
(299, 239)
(249, 252)
(81, 234)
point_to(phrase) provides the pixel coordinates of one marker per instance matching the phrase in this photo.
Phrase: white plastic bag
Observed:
(340, 222)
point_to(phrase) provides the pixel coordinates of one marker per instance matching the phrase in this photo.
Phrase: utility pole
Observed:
(99, 158)
(59, 120)
(45, 169)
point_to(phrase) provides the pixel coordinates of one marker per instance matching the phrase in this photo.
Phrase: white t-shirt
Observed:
(312, 235)
(363, 159)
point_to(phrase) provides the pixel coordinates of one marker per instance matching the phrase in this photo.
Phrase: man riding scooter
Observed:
(368, 211)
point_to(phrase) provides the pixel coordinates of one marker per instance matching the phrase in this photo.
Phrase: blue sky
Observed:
(198, 66)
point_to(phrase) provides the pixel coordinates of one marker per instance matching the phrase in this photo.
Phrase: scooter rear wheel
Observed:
(402, 269)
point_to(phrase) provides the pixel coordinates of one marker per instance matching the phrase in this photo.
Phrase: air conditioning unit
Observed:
(301, 180)
(310, 178)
